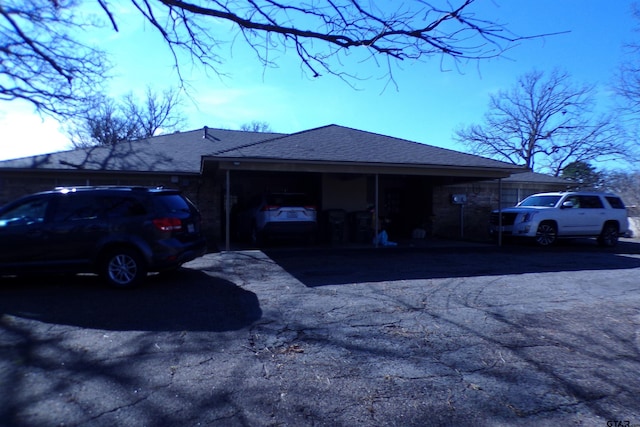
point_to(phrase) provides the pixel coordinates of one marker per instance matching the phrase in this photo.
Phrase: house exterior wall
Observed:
(341, 192)
(353, 194)
(205, 194)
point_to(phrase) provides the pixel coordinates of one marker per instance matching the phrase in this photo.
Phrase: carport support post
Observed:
(227, 213)
(376, 214)
(499, 211)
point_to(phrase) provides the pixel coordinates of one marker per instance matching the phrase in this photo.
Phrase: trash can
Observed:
(334, 225)
(360, 226)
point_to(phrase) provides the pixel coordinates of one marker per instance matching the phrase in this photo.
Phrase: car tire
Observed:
(609, 236)
(123, 268)
(546, 234)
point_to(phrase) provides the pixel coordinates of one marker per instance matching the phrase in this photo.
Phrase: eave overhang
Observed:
(279, 165)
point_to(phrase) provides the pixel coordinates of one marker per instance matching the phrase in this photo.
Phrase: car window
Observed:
(114, 206)
(544, 201)
(590, 202)
(30, 212)
(575, 202)
(73, 207)
(171, 203)
(615, 202)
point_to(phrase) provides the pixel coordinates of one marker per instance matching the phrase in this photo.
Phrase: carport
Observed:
(348, 169)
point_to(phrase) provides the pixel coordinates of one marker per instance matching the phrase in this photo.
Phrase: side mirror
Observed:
(567, 205)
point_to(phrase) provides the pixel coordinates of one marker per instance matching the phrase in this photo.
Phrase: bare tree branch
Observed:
(545, 123)
(41, 59)
(627, 86)
(413, 30)
(110, 122)
(44, 60)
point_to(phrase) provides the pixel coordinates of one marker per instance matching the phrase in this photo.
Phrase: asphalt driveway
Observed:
(445, 335)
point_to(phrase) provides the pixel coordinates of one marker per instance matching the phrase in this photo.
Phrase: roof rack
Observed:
(108, 187)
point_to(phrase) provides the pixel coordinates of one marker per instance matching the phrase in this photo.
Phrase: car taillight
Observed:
(168, 224)
(270, 208)
(311, 208)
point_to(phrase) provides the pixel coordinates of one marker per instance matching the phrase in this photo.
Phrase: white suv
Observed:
(546, 217)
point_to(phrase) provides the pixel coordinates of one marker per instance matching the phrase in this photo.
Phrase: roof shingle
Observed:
(183, 152)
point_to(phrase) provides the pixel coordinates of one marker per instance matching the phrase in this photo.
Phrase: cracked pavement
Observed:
(455, 334)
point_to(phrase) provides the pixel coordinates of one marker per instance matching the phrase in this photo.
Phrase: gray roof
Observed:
(340, 144)
(539, 178)
(183, 152)
(176, 152)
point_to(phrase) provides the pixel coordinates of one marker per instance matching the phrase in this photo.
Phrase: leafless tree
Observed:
(42, 59)
(158, 113)
(328, 29)
(627, 85)
(256, 126)
(545, 123)
(104, 124)
(110, 122)
(626, 183)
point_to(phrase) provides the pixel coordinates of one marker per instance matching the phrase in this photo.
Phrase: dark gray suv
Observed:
(120, 233)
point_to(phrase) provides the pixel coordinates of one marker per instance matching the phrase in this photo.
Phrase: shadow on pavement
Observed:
(336, 266)
(186, 300)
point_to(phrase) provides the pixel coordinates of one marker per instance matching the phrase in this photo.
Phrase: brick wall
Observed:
(203, 193)
(471, 222)
(468, 221)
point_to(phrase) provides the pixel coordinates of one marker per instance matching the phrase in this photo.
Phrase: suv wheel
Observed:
(547, 234)
(609, 236)
(123, 268)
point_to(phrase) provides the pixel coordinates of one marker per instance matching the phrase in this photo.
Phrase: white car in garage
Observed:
(291, 215)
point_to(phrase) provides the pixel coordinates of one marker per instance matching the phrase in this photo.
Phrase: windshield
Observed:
(543, 201)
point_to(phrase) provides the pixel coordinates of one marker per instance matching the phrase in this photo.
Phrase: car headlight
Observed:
(528, 216)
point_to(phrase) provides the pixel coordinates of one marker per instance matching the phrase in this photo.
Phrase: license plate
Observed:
(191, 228)
(292, 215)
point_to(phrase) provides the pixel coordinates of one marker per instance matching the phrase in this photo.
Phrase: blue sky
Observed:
(427, 105)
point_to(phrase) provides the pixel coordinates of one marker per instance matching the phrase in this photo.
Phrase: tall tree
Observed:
(104, 124)
(545, 122)
(626, 184)
(44, 60)
(627, 85)
(110, 122)
(583, 175)
(157, 113)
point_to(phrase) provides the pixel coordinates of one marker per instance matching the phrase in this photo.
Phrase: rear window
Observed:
(171, 203)
(288, 200)
(615, 202)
